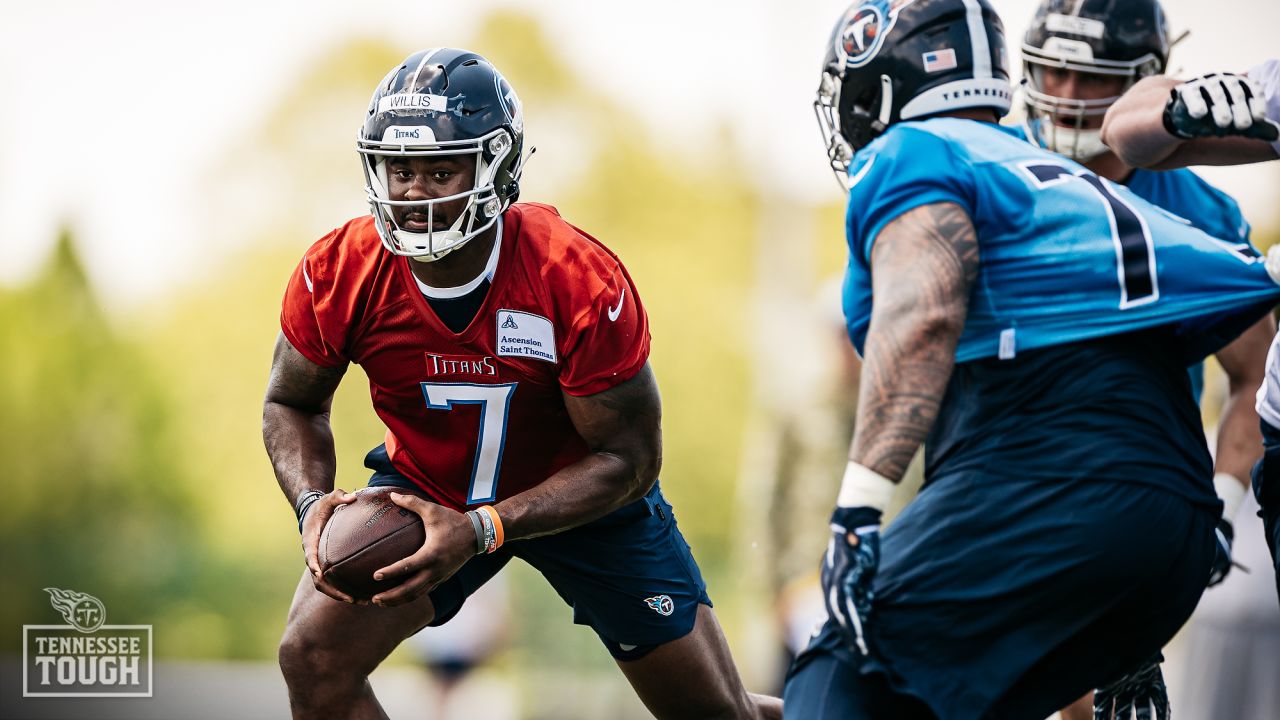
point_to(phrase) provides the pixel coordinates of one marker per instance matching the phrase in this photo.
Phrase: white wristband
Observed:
(864, 487)
(1231, 492)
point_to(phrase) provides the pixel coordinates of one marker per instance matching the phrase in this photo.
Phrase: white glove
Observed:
(1216, 105)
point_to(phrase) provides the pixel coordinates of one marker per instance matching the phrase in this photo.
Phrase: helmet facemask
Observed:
(1099, 39)
(863, 123)
(1063, 124)
(491, 153)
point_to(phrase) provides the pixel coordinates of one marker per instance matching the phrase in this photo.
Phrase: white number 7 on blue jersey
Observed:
(495, 403)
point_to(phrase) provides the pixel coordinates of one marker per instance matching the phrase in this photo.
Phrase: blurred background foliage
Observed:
(131, 445)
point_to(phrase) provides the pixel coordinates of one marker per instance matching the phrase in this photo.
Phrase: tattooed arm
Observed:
(295, 421)
(922, 266)
(295, 429)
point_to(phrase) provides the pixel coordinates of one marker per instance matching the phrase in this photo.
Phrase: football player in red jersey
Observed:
(506, 352)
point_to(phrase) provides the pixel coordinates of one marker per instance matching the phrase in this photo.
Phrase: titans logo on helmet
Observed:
(864, 28)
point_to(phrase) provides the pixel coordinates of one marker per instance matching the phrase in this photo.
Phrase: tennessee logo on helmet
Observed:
(864, 29)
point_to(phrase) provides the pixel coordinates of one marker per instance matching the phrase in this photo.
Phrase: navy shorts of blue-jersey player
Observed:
(1031, 324)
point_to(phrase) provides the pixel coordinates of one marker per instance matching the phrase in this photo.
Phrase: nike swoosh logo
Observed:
(614, 312)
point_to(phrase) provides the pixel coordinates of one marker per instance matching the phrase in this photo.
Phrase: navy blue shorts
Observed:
(629, 575)
(1011, 599)
(1266, 488)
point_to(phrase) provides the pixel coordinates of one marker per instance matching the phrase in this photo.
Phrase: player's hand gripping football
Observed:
(450, 543)
(1140, 695)
(312, 525)
(848, 569)
(1218, 105)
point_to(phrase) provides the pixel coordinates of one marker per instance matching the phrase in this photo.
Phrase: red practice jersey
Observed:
(477, 416)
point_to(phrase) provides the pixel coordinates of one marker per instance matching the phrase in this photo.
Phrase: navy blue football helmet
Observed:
(894, 60)
(1119, 38)
(443, 101)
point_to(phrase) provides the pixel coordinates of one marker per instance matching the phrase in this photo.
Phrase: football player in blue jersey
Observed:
(1079, 57)
(1031, 325)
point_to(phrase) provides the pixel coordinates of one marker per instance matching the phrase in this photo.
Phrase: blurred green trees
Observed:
(96, 498)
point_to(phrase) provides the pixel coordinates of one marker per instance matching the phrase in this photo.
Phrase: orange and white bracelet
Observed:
(488, 527)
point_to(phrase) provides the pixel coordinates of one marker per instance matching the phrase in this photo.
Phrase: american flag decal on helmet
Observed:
(939, 60)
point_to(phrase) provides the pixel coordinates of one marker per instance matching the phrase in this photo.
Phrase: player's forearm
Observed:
(904, 378)
(1239, 439)
(923, 265)
(623, 428)
(589, 489)
(1134, 127)
(300, 445)
(1244, 362)
(295, 421)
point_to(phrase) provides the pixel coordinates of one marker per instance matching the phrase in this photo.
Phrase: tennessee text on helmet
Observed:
(894, 60)
(443, 101)
(1126, 39)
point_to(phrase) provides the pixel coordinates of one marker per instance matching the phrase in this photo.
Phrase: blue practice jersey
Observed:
(1204, 206)
(1187, 195)
(1064, 255)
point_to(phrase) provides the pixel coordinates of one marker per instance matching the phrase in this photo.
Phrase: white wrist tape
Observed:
(864, 487)
(1230, 491)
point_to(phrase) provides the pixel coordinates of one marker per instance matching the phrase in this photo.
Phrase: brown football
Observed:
(366, 535)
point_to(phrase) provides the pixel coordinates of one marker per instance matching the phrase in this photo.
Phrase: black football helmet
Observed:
(1120, 38)
(894, 60)
(443, 101)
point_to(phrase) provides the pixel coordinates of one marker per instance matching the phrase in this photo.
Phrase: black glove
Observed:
(853, 554)
(1224, 535)
(1140, 695)
(1218, 105)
